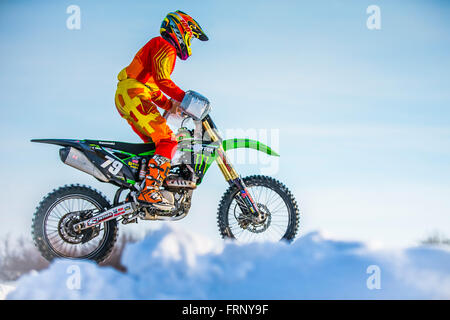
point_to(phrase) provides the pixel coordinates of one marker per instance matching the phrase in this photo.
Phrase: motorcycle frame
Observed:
(217, 144)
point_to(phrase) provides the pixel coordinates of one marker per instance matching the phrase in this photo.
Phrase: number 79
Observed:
(115, 165)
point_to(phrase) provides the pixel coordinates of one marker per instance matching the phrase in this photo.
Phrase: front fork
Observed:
(246, 203)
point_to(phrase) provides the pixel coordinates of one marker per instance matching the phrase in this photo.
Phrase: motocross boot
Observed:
(158, 168)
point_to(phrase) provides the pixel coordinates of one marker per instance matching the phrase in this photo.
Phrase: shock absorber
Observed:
(143, 169)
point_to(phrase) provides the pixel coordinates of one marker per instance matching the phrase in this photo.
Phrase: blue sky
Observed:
(362, 115)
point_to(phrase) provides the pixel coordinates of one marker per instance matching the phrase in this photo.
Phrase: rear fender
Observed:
(60, 142)
(96, 161)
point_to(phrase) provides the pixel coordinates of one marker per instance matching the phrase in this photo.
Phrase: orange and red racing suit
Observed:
(140, 91)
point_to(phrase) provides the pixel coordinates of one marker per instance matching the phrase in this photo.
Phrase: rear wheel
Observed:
(275, 202)
(59, 211)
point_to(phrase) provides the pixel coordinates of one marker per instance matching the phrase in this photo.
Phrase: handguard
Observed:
(195, 105)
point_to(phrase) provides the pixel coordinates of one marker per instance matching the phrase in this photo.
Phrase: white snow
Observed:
(5, 288)
(173, 264)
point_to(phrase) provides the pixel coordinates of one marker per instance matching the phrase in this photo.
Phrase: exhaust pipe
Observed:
(78, 160)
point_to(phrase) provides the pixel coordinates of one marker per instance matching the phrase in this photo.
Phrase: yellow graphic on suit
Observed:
(134, 103)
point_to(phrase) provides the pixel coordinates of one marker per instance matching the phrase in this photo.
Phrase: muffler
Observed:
(78, 160)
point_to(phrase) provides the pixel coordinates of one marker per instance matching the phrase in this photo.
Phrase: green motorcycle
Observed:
(78, 222)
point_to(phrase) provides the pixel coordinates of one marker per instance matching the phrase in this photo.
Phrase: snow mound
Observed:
(173, 264)
(5, 289)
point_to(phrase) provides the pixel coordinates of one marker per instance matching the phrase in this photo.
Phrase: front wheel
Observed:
(59, 211)
(273, 199)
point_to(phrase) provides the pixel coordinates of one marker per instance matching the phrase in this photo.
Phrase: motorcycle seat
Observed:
(134, 148)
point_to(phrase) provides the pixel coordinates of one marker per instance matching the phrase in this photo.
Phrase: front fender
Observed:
(231, 144)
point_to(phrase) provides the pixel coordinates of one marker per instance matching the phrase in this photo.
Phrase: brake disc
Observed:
(255, 224)
(66, 228)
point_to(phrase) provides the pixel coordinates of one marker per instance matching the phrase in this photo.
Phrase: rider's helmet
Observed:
(178, 28)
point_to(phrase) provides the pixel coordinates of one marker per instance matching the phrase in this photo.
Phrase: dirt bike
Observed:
(77, 221)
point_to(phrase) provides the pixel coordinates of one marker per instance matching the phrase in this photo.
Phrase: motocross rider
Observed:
(140, 91)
